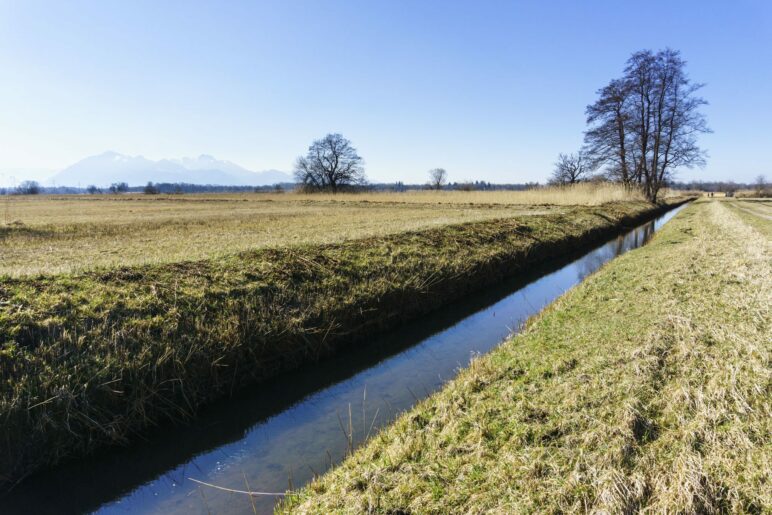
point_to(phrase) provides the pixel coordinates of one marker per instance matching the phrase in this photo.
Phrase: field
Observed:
(77, 233)
(95, 357)
(646, 388)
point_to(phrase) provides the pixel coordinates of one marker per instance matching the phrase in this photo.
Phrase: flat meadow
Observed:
(74, 233)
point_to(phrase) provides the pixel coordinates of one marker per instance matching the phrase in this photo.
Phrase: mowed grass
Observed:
(64, 234)
(646, 388)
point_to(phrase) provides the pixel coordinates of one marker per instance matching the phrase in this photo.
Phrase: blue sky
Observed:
(489, 90)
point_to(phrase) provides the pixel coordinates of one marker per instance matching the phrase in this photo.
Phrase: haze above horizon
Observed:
(489, 91)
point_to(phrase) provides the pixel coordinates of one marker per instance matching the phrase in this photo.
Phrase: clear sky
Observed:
(489, 90)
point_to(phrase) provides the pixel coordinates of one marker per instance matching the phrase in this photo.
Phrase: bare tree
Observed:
(438, 177)
(570, 169)
(645, 125)
(607, 140)
(28, 188)
(151, 189)
(330, 164)
(93, 190)
(761, 186)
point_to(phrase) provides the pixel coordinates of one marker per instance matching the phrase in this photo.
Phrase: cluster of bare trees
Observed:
(119, 187)
(642, 127)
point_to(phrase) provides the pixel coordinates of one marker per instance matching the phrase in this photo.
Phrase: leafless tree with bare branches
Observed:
(438, 177)
(761, 186)
(570, 169)
(331, 164)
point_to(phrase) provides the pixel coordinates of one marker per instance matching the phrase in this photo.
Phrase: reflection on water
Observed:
(634, 239)
(283, 432)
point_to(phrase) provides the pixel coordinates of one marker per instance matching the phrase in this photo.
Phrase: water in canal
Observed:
(282, 432)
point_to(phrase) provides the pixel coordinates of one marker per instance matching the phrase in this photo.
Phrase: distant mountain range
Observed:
(110, 167)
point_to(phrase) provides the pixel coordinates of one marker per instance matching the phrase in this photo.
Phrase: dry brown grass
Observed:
(583, 194)
(645, 389)
(62, 234)
(71, 234)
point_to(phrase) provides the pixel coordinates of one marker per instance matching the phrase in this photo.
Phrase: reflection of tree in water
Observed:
(637, 238)
(634, 239)
(593, 261)
(648, 230)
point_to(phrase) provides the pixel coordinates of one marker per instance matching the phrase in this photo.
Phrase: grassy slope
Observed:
(646, 387)
(93, 358)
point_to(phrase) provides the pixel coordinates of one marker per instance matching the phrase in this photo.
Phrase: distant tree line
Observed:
(178, 188)
(400, 186)
(158, 187)
(181, 188)
(25, 188)
(48, 190)
(759, 185)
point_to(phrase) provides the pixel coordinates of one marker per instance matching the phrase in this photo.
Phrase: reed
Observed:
(581, 194)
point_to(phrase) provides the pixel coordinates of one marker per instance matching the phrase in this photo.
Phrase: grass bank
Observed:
(94, 358)
(646, 388)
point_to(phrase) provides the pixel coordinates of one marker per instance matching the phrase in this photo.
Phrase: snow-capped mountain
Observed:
(109, 167)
